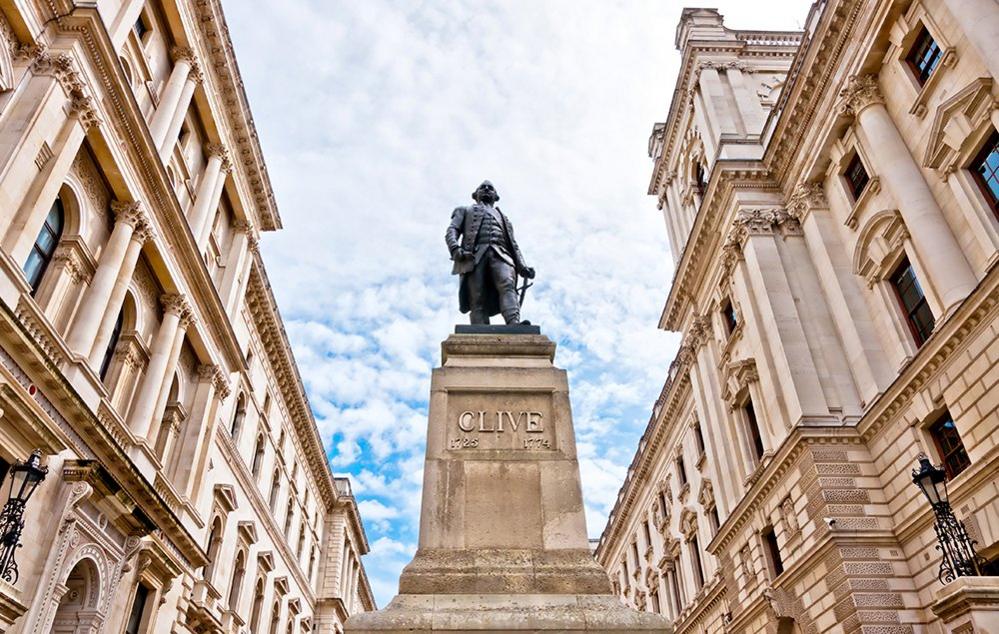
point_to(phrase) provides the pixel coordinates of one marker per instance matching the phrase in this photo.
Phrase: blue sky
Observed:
(377, 119)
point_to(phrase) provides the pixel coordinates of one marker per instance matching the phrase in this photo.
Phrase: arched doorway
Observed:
(77, 611)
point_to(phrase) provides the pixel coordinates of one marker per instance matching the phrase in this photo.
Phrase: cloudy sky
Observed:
(377, 119)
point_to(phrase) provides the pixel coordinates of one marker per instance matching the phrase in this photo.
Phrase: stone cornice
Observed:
(262, 305)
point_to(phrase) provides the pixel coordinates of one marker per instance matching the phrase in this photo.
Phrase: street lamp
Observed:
(24, 479)
(958, 549)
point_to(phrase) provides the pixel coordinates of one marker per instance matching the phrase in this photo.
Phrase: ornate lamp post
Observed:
(24, 479)
(958, 549)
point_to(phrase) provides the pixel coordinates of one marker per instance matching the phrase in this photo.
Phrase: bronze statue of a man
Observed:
(486, 256)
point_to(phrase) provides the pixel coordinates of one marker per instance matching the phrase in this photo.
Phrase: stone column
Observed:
(177, 119)
(184, 64)
(949, 272)
(216, 197)
(849, 311)
(189, 464)
(236, 294)
(180, 334)
(170, 425)
(140, 236)
(34, 205)
(236, 262)
(128, 216)
(141, 417)
(204, 201)
(979, 22)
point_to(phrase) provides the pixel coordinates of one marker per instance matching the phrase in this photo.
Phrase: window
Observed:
(662, 502)
(275, 488)
(238, 416)
(913, 301)
(289, 514)
(654, 600)
(275, 617)
(729, 317)
(985, 167)
(681, 471)
(634, 553)
(695, 561)
(753, 426)
(856, 176)
(237, 581)
(214, 543)
(773, 551)
(141, 27)
(648, 532)
(924, 55)
(258, 455)
(714, 520)
(699, 177)
(699, 439)
(948, 442)
(301, 542)
(4, 469)
(675, 593)
(112, 344)
(44, 247)
(258, 604)
(138, 609)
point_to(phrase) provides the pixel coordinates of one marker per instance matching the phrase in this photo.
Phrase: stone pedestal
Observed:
(503, 542)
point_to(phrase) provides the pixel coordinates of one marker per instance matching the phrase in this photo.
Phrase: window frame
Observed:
(893, 278)
(990, 145)
(775, 562)
(913, 60)
(855, 191)
(752, 423)
(959, 450)
(59, 209)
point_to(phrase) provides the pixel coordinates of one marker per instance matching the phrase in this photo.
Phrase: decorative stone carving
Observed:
(860, 92)
(173, 303)
(806, 197)
(129, 212)
(790, 517)
(738, 376)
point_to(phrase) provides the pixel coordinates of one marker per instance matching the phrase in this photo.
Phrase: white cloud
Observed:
(377, 118)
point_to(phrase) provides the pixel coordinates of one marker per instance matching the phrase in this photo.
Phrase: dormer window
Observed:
(856, 177)
(924, 56)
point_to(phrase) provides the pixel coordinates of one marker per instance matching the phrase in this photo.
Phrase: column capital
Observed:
(860, 92)
(213, 373)
(129, 212)
(81, 107)
(700, 330)
(213, 150)
(183, 53)
(806, 197)
(761, 221)
(174, 303)
(242, 226)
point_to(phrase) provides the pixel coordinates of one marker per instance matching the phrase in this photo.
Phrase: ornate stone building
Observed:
(831, 201)
(141, 349)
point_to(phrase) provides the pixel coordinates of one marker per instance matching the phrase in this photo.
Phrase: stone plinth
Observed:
(503, 542)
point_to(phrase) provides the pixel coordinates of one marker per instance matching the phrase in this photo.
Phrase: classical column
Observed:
(140, 236)
(177, 119)
(205, 202)
(183, 65)
(170, 425)
(179, 335)
(237, 262)
(949, 272)
(850, 313)
(141, 417)
(33, 206)
(979, 22)
(236, 294)
(128, 216)
(188, 464)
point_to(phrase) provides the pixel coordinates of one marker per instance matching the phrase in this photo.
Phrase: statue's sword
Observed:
(523, 290)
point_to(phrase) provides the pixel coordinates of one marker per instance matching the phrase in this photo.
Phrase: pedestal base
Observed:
(506, 613)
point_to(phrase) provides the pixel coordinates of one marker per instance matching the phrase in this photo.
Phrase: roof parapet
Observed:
(700, 24)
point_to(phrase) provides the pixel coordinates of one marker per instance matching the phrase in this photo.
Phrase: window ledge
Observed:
(918, 107)
(871, 190)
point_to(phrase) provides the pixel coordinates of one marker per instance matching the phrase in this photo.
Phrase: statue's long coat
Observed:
(461, 233)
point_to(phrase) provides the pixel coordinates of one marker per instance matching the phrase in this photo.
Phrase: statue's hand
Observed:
(528, 272)
(460, 255)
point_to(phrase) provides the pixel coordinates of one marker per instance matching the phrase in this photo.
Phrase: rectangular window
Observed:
(634, 553)
(729, 316)
(679, 600)
(140, 27)
(662, 502)
(681, 470)
(4, 469)
(856, 176)
(654, 601)
(753, 426)
(773, 552)
(695, 561)
(913, 301)
(985, 167)
(924, 55)
(648, 532)
(714, 519)
(138, 608)
(699, 438)
(950, 446)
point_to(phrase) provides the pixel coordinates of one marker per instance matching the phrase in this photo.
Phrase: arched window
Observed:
(275, 488)
(275, 617)
(214, 543)
(44, 247)
(301, 541)
(238, 416)
(237, 581)
(258, 604)
(112, 344)
(258, 455)
(289, 514)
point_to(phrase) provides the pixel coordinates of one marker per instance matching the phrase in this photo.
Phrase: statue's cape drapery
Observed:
(461, 233)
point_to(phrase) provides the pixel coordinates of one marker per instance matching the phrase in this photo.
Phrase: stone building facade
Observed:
(141, 349)
(831, 201)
